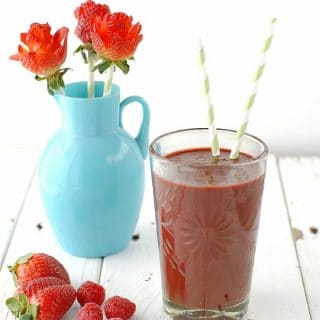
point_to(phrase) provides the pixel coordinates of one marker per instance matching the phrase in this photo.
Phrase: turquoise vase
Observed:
(92, 172)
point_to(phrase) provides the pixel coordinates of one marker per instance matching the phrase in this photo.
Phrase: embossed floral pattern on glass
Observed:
(203, 233)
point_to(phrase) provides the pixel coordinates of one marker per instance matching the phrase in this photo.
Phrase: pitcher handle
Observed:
(142, 138)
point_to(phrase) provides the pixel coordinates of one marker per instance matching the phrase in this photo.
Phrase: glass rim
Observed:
(260, 157)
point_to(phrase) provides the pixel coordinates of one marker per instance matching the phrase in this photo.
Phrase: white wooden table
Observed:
(286, 283)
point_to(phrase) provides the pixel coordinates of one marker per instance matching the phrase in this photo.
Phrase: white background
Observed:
(166, 70)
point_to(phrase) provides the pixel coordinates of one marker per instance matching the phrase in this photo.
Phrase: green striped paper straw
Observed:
(108, 83)
(91, 83)
(249, 104)
(213, 134)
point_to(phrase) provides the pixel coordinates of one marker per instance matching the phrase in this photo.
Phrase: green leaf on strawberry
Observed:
(102, 66)
(13, 305)
(25, 258)
(21, 308)
(86, 52)
(123, 66)
(34, 310)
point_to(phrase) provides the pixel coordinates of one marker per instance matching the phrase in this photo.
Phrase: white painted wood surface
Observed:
(277, 288)
(278, 291)
(16, 170)
(301, 181)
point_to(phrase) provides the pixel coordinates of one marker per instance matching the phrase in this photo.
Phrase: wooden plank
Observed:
(301, 180)
(135, 272)
(17, 167)
(29, 238)
(277, 290)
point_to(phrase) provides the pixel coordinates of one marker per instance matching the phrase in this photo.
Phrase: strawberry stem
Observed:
(89, 57)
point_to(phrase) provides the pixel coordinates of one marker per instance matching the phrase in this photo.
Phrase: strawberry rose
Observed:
(43, 53)
(84, 15)
(114, 37)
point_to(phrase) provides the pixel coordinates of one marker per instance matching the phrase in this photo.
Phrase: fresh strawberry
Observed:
(90, 311)
(50, 303)
(32, 287)
(90, 292)
(42, 53)
(37, 265)
(118, 307)
(54, 302)
(119, 40)
(84, 14)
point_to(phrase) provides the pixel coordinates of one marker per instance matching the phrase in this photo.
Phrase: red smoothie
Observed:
(207, 227)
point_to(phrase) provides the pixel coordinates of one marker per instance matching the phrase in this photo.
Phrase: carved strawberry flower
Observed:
(43, 54)
(109, 40)
(84, 14)
(115, 39)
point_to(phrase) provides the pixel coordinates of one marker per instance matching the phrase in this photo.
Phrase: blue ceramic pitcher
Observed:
(92, 172)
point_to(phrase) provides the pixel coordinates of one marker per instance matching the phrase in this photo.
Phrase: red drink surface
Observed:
(207, 231)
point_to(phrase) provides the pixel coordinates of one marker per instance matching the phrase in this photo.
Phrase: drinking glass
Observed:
(207, 214)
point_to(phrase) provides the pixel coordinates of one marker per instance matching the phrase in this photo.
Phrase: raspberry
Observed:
(118, 307)
(90, 292)
(90, 311)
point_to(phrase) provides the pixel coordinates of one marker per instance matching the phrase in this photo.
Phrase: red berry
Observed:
(50, 303)
(118, 307)
(42, 52)
(37, 265)
(90, 311)
(119, 40)
(90, 292)
(54, 302)
(32, 287)
(84, 14)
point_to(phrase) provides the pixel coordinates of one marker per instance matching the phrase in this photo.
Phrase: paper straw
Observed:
(108, 83)
(247, 108)
(91, 83)
(213, 134)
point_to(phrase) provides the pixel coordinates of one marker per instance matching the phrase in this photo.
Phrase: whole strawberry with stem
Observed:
(90, 311)
(37, 265)
(50, 303)
(43, 54)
